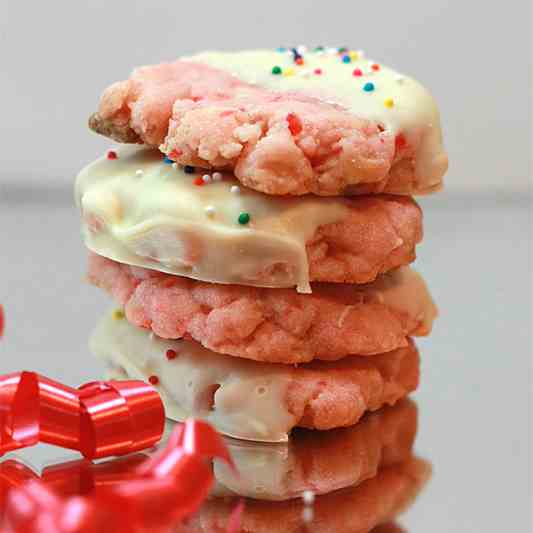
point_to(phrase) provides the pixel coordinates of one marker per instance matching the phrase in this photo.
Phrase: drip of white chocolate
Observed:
(162, 220)
(398, 102)
(241, 398)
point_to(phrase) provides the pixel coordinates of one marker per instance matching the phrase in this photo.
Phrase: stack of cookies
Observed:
(257, 235)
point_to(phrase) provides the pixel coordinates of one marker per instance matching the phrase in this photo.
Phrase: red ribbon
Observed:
(99, 419)
(133, 494)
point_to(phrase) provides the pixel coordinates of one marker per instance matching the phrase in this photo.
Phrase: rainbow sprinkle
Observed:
(171, 354)
(118, 314)
(244, 218)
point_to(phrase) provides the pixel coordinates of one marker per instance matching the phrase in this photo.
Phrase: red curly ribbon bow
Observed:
(124, 495)
(98, 419)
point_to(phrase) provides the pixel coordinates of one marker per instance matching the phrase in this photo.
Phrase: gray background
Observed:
(56, 58)
(474, 398)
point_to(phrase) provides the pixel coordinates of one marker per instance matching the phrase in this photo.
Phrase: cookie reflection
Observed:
(345, 480)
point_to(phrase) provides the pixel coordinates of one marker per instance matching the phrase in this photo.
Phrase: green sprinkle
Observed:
(276, 70)
(244, 218)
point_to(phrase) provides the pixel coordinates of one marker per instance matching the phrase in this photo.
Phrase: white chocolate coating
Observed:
(413, 111)
(241, 398)
(161, 220)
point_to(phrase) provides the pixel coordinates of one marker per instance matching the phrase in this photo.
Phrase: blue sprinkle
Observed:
(188, 169)
(368, 87)
(295, 54)
(346, 59)
(282, 49)
(168, 161)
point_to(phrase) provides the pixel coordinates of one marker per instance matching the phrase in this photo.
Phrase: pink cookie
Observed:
(273, 325)
(320, 129)
(255, 400)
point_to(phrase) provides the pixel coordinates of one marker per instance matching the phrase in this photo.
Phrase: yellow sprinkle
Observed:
(288, 72)
(353, 55)
(118, 314)
(389, 102)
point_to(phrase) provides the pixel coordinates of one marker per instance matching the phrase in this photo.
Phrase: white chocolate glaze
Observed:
(413, 111)
(161, 220)
(241, 398)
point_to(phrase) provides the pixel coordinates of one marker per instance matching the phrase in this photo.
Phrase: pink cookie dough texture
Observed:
(272, 325)
(298, 136)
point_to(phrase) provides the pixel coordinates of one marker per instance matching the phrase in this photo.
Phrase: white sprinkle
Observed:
(209, 210)
(139, 172)
(217, 176)
(175, 166)
(331, 51)
(302, 49)
(151, 336)
(360, 54)
(400, 79)
(308, 497)
(206, 178)
(307, 514)
(235, 189)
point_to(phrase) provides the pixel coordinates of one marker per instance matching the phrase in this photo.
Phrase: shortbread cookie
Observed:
(284, 122)
(273, 325)
(139, 210)
(251, 400)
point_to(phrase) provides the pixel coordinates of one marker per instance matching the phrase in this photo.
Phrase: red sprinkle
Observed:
(400, 141)
(357, 72)
(174, 154)
(375, 66)
(299, 60)
(171, 354)
(199, 181)
(318, 71)
(295, 126)
(154, 380)
(111, 154)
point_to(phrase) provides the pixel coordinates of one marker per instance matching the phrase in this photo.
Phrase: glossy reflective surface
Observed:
(473, 420)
